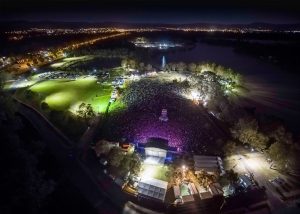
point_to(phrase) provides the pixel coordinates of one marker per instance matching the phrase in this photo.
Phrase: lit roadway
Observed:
(255, 163)
(23, 67)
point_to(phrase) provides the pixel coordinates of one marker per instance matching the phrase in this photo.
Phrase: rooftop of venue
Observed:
(154, 188)
(157, 143)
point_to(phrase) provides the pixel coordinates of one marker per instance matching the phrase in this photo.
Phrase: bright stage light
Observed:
(195, 94)
(252, 163)
(147, 172)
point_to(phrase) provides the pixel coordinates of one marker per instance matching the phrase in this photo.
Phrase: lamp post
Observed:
(184, 168)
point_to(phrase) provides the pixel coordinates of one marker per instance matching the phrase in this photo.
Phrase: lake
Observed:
(272, 90)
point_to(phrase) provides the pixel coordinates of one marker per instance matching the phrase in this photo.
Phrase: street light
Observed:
(195, 95)
(253, 163)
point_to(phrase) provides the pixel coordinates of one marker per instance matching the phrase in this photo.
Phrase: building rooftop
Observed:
(211, 164)
(157, 143)
(153, 188)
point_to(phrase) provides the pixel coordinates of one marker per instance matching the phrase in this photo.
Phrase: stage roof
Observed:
(157, 143)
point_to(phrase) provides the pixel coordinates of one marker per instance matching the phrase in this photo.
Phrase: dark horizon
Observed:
(145, 11)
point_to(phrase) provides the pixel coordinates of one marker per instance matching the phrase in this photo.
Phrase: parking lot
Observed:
(279, 187)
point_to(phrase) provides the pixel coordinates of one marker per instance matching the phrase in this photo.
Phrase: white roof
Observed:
(155, 182)
(208, 163)
(153, 188)
(154, 160)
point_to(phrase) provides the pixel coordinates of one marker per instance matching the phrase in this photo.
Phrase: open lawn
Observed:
(155, 171)
(64, 94)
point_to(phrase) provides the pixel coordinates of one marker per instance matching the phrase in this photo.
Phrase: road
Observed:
(254, 163)
(89, 134)
(98, 191)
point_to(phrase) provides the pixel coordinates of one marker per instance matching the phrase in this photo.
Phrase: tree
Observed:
(45, 106)
(124, 63)
(141, 66)
(199, 68)
(283, 150)
(232, 176)
(132, 163)
(246, 131)
(220, 70)
(279, 153)
(260, 141)
(115, 156)
(173, 66)
(135, 163)
(230, 148)
(132, 63)
(85, 111)
(205, 179)
(192, 67)
(22, 179)
(209, 89)
(125, 164)
(293, 158)
(167, 68)
(181, 66)
(149, 67)
(103, 147)
(29, 94)
(280, 134)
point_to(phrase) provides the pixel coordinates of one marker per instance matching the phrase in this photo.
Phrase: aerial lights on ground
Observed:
(134, 77)
(195, 95)
(22, 83)
(253, 163)
(147, 172)
(184, 168)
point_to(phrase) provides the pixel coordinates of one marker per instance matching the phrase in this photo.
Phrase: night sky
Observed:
(154, 11)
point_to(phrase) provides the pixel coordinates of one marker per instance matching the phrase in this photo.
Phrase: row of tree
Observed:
(220, 71)
(123, 161)
(23, 182)
(226, 73)
(85, 111)
(246, 130)
(131, 63)
(278, 143)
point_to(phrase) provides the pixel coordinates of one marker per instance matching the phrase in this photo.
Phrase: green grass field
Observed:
(64, 94)
(155, 171)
